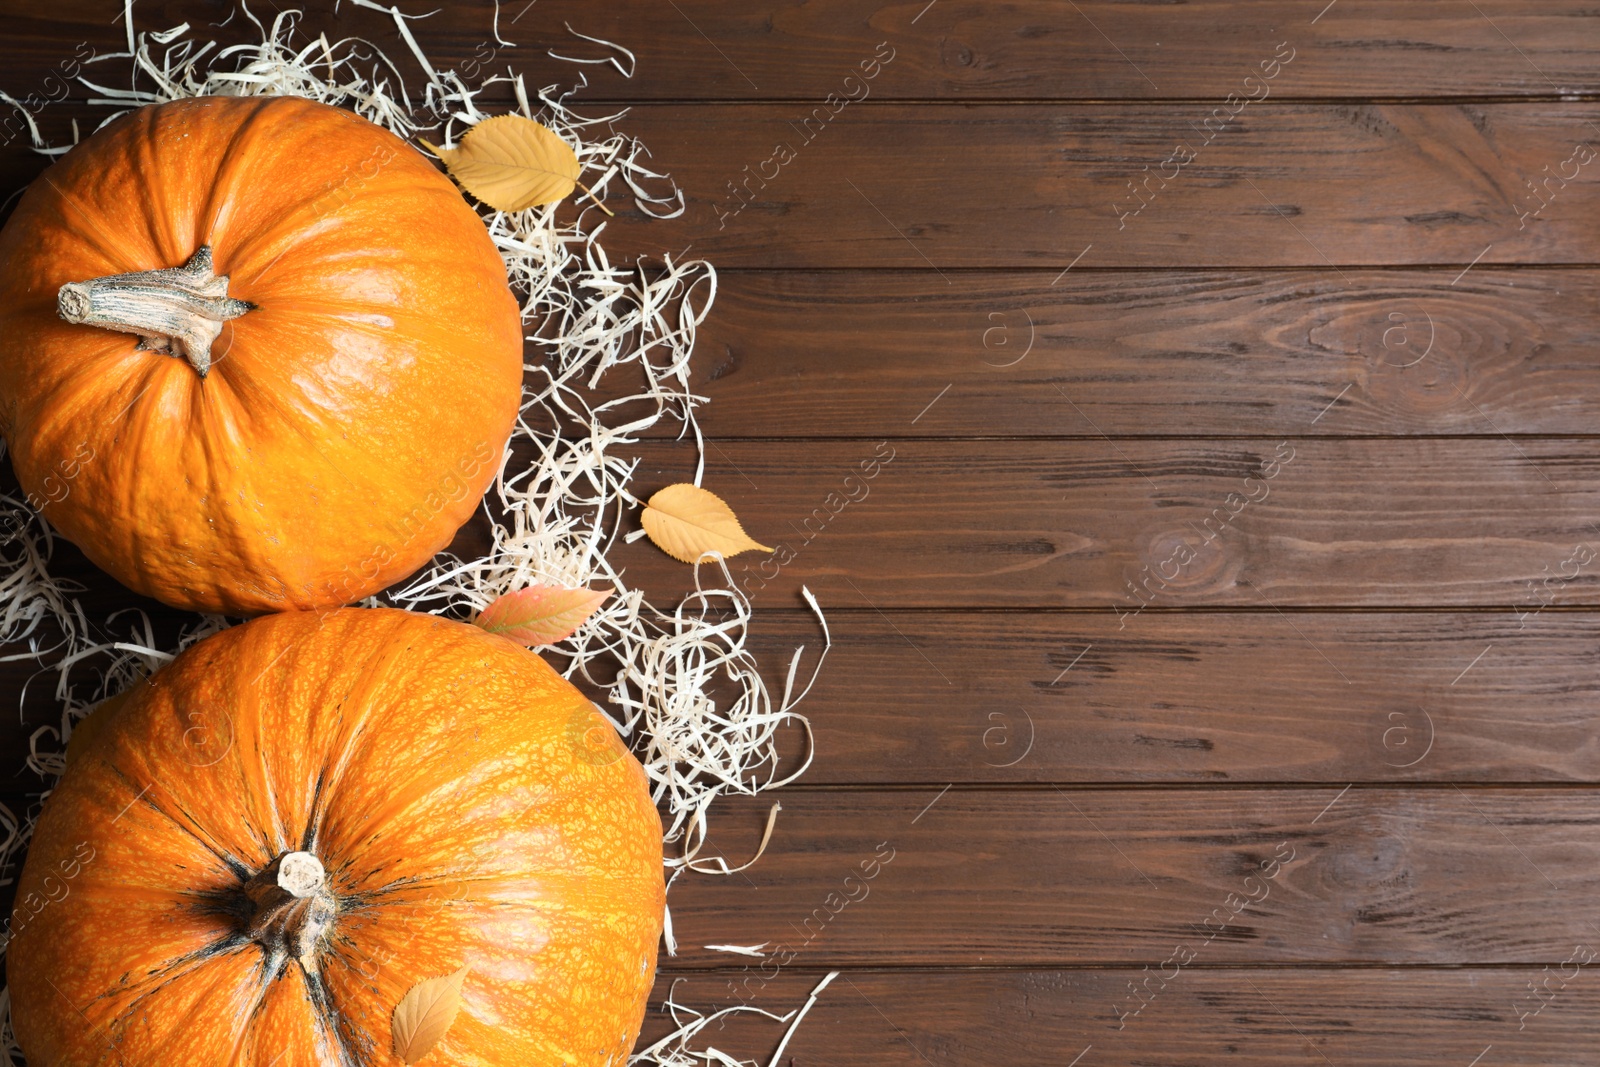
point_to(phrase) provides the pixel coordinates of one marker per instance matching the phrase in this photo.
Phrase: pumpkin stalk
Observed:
(179, 310)
(292, 907)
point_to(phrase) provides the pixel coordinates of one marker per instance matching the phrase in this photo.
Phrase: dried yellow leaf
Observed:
(689, 523)
(425, 1013)
(512, 163)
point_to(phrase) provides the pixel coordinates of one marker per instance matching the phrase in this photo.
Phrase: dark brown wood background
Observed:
(1377, 683)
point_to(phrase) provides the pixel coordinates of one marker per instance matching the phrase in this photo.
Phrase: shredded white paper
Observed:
(683, 687)
(758, 951)
(673, 1050)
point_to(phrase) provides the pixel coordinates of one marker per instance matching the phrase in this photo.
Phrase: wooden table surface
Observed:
(1218, 635)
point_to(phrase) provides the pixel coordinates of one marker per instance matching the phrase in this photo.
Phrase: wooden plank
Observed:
(1226, 697)
(1296, 185)
(951, 187)
(1058, 877)
(1095, 49)
(1197, 1017)
(1050, 877)
(1120, 527)
(799, 354)
(1101, 49)
(1163, 354)
(918, 697)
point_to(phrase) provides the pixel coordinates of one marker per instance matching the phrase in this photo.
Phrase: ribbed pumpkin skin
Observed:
(350, 423)
(470, 808)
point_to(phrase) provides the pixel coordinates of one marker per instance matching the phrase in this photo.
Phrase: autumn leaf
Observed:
(689, 523)
(425, 1013)
(512, 163)
(540, 614)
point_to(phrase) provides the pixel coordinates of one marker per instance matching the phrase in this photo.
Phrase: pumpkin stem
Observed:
(292, 906)
(179, 310)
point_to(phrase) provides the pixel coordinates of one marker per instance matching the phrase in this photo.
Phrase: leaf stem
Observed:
(590, 193)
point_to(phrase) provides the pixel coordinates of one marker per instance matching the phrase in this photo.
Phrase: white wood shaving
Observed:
(673, 1050)
(799, 1015)
(741, 950)
(625, 71)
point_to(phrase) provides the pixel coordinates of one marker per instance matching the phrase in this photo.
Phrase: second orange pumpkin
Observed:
(278, 835)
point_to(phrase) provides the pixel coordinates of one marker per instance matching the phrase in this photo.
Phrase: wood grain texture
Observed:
(1230, 697)
(1185, 698)
(1481, 521)
(1054, 876)
(1049, 877)
(953, 187)
(1379, 1017)
(956, 49)
(1292, 185)
(1101, 49)
(1134, 527)
(800, 354)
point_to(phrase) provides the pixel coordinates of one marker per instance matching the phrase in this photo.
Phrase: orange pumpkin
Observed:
(255, 354)
(279, 834)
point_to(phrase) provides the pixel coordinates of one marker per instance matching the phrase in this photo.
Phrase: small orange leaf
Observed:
(689, 523)
(541, 614)
(511, 163)
(425, 1013)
